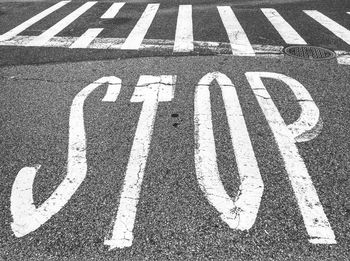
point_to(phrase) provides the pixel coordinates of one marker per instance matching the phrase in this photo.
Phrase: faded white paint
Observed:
(288, 34)
(85, 40)
(20, 28)
(238, 39)
(116, 43)
(240, 213)
(59, 26)
(343, 57)
(184, 30)
(159, 45)
(135, 38)
(331, 25)
(305, 128)
(27, 217)
(150, 90)
(112, 11)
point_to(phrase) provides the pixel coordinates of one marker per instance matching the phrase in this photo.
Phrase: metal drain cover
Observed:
(309, 52)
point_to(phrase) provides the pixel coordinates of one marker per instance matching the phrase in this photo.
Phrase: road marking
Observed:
(161, 45)
(85, 40)
(27, 217)
(241, 213)
(184, 30)
(331, 25)
(134, 40)
(286, 31)
(112, 11)
(315, 219)
(20, 28)
(150, 90)
(156, 44)
(58, 27)
(239, 41)
(343, 57)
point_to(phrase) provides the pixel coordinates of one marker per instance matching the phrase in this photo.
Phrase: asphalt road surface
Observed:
(174, 130)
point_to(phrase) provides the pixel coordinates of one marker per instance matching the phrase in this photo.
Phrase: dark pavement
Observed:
(174, 220)
(207, 27)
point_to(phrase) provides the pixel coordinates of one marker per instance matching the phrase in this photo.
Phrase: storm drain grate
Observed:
(309, 52)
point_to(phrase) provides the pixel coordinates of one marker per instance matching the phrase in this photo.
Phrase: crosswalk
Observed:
(184, 31)
(289, 35)
(238, 39)
(238, 42)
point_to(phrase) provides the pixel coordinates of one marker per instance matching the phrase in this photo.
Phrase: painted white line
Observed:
(331, 25)
(112, 11)
(20, 28)
(58, 27)
(286, 31)
(184, 30)
(315, 220)
(160, 45)
(239, 41)
(27, 217)
(85, 40)
(242, 212)
(155, 44)
(150, 91)
(343, 57)
(134, 40)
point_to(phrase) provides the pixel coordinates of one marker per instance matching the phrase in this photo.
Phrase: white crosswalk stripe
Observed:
(331, 25)
(184, 30)
(15, 31)
(112, 11)
(136, 36)
(85, 40)
(289, 35)
(239, 41)
(58, 27)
